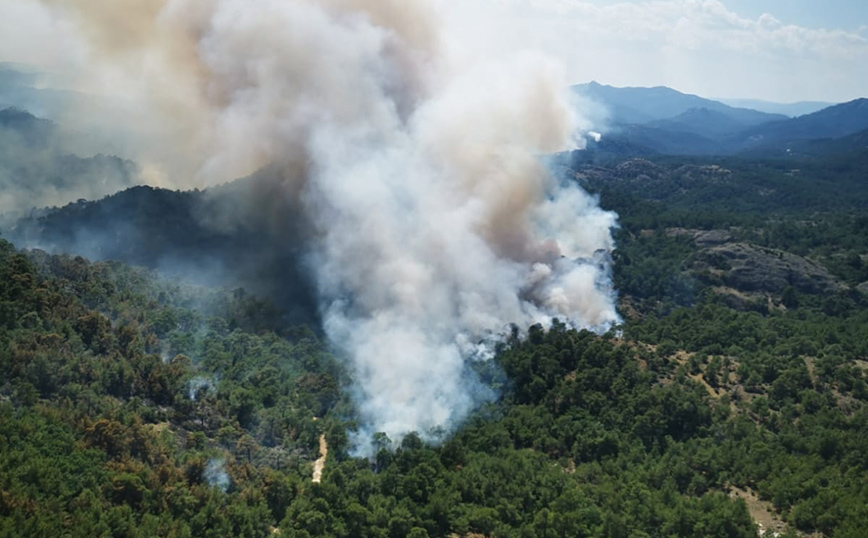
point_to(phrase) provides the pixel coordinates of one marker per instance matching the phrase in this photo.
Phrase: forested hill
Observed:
(177, 233)
(40, 167)
(731, 395)
(652, 121)
(130, 406)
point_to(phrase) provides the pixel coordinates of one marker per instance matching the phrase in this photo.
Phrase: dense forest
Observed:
(733, 394)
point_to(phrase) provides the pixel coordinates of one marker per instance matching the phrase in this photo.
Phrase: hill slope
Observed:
(138, 413)
(177, 233)
(36, 170)
(833, 122)
(643, 105)
(649, 121)
(703, 122)
(787, 109)
(125, 408)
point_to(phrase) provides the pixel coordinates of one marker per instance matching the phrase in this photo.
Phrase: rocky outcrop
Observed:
(712, 237)
(638, 169)
(750, 268)
(702, 238)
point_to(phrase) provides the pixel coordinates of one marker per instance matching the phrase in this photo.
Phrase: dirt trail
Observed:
(761, 512)
(319, 464)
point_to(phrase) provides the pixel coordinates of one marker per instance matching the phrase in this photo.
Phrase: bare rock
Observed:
(638, 169)
(750, 268)
(712, 237)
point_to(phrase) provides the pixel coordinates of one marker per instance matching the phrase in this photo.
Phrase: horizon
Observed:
(780, 52)
(35, 70)
(767, 50)
(722, 99)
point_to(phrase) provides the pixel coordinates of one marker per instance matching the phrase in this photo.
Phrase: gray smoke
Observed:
(432, 223)
(37, 168)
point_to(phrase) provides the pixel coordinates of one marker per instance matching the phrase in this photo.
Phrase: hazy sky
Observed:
(780, 50)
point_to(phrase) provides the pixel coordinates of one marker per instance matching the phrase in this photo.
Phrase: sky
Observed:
(776, 50)
(843, 14)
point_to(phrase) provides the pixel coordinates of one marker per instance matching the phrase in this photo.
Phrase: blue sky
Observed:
(845, 14)
(849, 14)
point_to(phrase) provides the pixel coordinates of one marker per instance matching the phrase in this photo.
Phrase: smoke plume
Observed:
(215, 474)
(431, 222)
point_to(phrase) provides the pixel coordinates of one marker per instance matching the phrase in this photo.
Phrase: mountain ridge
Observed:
(641, 105)
(793, 110)
(661, 120)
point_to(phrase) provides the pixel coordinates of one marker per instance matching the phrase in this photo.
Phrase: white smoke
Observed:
(434, 224)
(215, 474)
(200, 386)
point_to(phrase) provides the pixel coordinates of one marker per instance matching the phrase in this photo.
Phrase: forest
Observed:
(137, 406)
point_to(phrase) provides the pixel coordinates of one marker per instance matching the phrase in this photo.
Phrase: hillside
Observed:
(133, 406)
(195, 400)
(663, 121)
(159, 418)
(37, 169)
(643, 105)
(833, 122)
(26, 87)
(167, 230)
(425, 288)
(787, 109)
(650, 140)
(734, 392)
(701, 121)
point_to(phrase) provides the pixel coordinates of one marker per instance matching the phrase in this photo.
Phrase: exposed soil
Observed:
(761, 512)
(319, 464)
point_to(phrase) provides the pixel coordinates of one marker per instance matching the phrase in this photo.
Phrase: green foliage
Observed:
(99, 434)
(132, 406)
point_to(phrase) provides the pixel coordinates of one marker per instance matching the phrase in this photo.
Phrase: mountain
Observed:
(787, 109)
(37, 169)
(115, 384)
(135, 406)
(701, 121)
(663, 121)
(228, 235)
(22, 86)
(854, 145)
(833, 122)
(643, 105)
(734, 184)
(35, 133)
(857, 142)
(651, 140)
(137, 402)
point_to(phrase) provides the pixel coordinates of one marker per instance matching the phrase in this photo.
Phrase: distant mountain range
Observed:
(20, 87)
(38, 166)
(648, 121)
(787, 109)
(834, 122)
(643, 105)
(177, 232)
